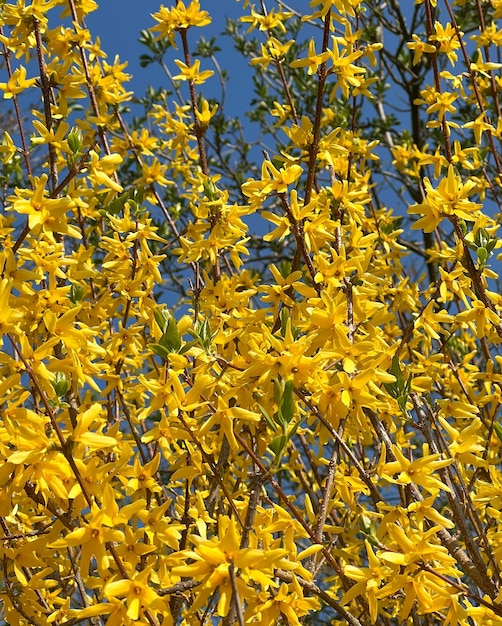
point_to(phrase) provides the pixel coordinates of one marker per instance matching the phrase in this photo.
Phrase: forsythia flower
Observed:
(451, 197)
(211, 561)
(54, 138)
(7, 148)
(313, 59)
(47, 215)
(192, 73)
(419, 48)
(177, 18)
(268, 20)
(17, 83)
(419, 472)
(447, 39)
(344, 69)
(368, 581)
(138, 595)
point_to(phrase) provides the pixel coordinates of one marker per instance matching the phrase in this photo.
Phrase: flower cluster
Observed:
(310, 427)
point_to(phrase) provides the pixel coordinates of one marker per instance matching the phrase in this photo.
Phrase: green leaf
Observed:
(76, 293)
(75, 141)
(210, 190)
(115, 206)
(368, 528)
(482, 254)
(60, 384)
(498, 430)
(162, 316)
(287, 403)
(159, 350)
(285, 318)
(145, 60)
(172, 335)
(277, 446)
(407, 387)
(186, 346)
(292, 431)
(267, 417)
(285, 267)
(202, 334)
(278, 390)
(395, 389)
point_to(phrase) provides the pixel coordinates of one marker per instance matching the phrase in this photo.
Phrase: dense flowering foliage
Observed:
(252, 383)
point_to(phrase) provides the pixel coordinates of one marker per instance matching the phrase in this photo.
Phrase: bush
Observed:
(250, 366)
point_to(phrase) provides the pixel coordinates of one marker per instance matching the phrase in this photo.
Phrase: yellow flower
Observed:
(192, 73)
(451, 197)
(139, 596)
(205, 114)
(480, 317)
(313, 59)
(443, 104)
(419, 472)
(273, 50)
(153, 172)
(92, 539)
(178, 18)
(141, 476)
(345, 7)
(343, 68)
(86, 435)
(433, 322)
(419, 48)
(47, 215)
(368, 581)
(447, 39)
(267, 21)
(7, 148)
(56, 139)
(465, 444)
(17, 83)
(288, 602)
(9, 316)
(210, 562)
(226, 417)
(102, 169)
(414, 590)
(414, 545)
(479, 126)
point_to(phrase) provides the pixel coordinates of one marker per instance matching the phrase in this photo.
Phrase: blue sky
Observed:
(118, 24)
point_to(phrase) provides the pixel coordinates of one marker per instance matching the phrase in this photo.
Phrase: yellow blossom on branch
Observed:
(45, 215)
(179, 17)
(447, 40)
(419, 48)
(420, 472)
(192, 73)
(267, 21)
(17, 83)
(450, 198)
(139, 596)
(313, 59)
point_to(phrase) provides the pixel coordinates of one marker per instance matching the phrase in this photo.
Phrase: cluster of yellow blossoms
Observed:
(317, 440)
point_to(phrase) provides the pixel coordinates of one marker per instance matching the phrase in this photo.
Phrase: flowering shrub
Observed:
(244, 385)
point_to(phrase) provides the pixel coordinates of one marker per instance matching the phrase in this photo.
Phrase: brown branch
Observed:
(47, 98)
(287, 502)
(90, 87)
(322, 74)
(15, 99)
